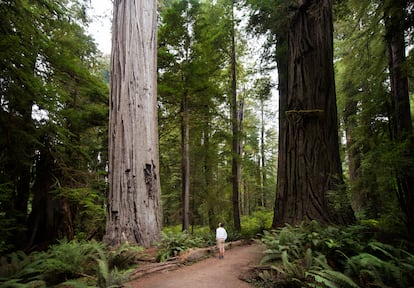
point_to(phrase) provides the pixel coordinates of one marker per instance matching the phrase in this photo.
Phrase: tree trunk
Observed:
(185, 170)
(208, 180)
(134, 209)
(51, 216)
(310, 175)
(263, 184)
(236, 177)
(23, 179)
(282, 67)
(354, 162)
(394, 14)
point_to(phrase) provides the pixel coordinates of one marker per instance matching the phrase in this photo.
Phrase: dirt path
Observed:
(211, 272)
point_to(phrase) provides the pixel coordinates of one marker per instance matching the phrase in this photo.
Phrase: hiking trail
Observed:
(211, 272)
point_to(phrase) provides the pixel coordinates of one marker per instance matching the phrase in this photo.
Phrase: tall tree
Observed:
(265, 19)
(177, 36)
(377, 128)
(49, 106)
(310, 172)
(395, 15)
(263, 88)
(364, 103)
(185, 113)
(236, 133)
(193, 56)
(134, 210)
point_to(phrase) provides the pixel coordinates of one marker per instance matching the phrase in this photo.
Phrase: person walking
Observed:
(221, 236)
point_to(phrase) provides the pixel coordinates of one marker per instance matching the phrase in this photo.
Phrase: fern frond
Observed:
(308, 258)
(269, 258)
(15, 283)
(320, 262)
(383, 248)
(333, 279)
(103, 273)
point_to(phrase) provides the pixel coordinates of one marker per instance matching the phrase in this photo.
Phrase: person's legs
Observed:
(218, 248)
(220, 245)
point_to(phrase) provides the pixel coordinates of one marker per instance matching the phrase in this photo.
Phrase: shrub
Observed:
(172, 244)
(67, 262)
(315, 256)
(256, 223)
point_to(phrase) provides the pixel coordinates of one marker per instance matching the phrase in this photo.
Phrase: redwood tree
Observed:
(236, 137)
(395, 13)
(309, 168)
(134, 210)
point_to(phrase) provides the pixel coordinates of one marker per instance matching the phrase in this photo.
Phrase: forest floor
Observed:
(238, 264)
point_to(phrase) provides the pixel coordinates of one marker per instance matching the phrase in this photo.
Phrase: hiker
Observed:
(221, 236)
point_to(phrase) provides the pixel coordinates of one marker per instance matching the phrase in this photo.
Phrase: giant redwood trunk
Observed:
(134, 210)
(309, 169)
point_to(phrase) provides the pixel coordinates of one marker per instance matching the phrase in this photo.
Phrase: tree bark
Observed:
(263, 184)
(185, 170)
(309, 167)
(236, 151)
(134, 209)
(282, 67)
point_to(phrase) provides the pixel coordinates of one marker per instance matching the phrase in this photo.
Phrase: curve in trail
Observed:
(211, 272)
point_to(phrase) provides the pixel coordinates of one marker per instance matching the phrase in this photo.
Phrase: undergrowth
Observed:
(310, 255)
(68, 264)
(173, 244)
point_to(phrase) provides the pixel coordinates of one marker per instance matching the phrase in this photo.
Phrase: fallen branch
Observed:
(152, 268)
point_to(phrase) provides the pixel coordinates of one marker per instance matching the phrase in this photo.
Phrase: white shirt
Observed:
(221, 233)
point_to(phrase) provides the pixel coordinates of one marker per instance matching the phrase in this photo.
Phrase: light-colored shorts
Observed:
(220, 243)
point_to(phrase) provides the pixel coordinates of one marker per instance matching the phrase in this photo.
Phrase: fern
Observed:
(332, 279)
(13, 264)
(68, 260)
(370, 268)
(124, 256)
(14, 283)
(270, 256)
(103, 273)
(80, 263)
(386, 250)
(336, 257)
(173, 244)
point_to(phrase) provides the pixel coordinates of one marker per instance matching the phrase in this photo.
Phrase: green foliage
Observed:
(91, 217)
(123, 257)
(194, 64)
(75, 263)
(382, 265)
(53, 116)
(316, 256)
(331, 279)
(173, 244)
(192, 59)
(256, 223)
(365, 106)
(110, 278)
